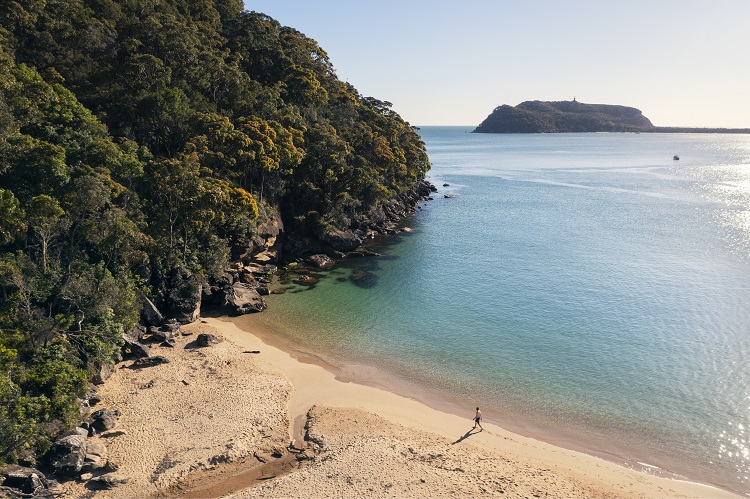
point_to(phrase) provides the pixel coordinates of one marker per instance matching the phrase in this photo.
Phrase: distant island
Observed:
(573, 116)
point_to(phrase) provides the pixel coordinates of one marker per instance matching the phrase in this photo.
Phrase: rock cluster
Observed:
(21, 481)
(239, 290)
(73, 455)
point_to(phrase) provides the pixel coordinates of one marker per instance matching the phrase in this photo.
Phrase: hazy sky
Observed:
(441, 62)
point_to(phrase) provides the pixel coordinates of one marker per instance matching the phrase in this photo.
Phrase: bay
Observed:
(586, 289)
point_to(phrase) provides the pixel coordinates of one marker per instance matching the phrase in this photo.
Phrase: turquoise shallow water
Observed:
(585, 286)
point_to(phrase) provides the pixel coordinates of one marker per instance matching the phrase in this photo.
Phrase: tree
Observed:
(46, 222)
(12, 218)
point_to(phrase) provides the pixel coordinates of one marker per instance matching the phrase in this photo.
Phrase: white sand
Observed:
(370, 443)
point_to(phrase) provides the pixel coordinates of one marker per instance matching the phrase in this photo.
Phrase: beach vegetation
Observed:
(142, 140)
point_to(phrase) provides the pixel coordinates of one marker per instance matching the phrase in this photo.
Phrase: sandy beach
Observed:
(244, 419)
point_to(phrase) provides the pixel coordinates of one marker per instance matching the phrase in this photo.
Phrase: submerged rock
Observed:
(320, 261)
(305, 280)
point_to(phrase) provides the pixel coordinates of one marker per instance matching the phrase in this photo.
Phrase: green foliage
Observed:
(145, 139)
(564, 116)
(12, 218)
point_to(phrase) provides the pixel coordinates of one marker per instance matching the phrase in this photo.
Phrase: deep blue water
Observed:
(586, 287)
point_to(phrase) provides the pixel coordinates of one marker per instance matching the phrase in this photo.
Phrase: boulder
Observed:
(77, 431)
(341, 240)
(363, 252)
(305, 280)
(183, 297)
(247, 277)
(363, 278)
(161, 333)
(134, 348)
(320, 261)
(96, 457)
(213, 290)
(150, 315)
(93, 398)
(107, 482)
(67, 455)
(27, 458)
(260, 270)
(205, 339)
(149, 362)
(138, 332)
(243, 299)
(102, 372)
(25, 480)
(104, 419)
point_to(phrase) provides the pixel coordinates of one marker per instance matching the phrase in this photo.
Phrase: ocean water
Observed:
(584, 288)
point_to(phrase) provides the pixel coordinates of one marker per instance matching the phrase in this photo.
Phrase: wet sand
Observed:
(221, 422)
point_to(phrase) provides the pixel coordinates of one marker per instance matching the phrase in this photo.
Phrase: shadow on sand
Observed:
(466, 435)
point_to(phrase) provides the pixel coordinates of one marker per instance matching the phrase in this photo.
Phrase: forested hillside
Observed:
(142, 144)
(564, 117)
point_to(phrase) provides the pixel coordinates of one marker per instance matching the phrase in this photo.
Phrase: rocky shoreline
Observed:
(238, 291)
(240, 418)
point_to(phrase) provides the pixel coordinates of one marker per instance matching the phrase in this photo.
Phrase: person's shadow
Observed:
(466, 435)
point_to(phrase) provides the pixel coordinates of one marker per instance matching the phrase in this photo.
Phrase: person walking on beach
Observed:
(477, 419)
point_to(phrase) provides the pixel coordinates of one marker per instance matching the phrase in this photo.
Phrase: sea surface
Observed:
(587, 289)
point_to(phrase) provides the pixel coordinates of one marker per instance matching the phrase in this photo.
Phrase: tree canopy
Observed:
(143, 137)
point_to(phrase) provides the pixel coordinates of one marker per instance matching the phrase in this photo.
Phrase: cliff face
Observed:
(563, 116)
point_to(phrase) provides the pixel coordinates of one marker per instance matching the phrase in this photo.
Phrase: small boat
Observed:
(675, 157)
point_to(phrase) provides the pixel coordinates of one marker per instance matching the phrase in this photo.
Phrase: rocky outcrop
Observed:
(182, 297)
(243, 299)
(320, 261)
(102, 372)
(564, 116)
(67, 455)
(236, 292)
(338, 242)
(265, 245)
(150, 315)
(342, 240)
(18, 480)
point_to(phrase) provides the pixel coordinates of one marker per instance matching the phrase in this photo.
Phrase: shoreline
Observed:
(437, 400)
(229, 420)
(439, 406)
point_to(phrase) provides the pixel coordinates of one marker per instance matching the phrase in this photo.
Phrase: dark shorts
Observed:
(476, 420)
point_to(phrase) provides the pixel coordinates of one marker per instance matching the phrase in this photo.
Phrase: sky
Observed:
(449, 62)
